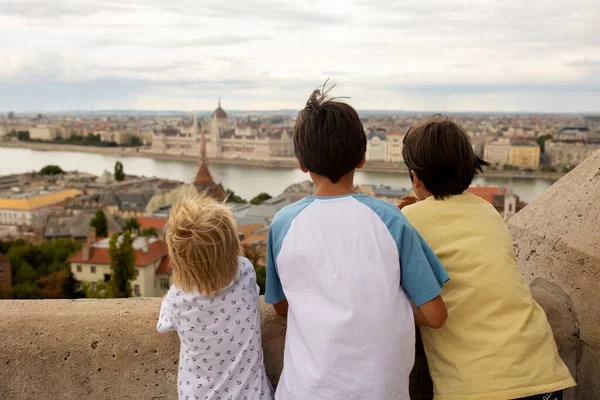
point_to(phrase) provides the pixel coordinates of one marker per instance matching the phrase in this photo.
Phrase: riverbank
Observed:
(276, 163)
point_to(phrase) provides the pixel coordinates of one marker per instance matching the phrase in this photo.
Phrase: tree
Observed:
(548, 168)
(72, 287)
(42, 271)
(122, 264)
(260, 198)
(234, 198)
(51, 170)
(149, 232)
(132, 225)
(541, 140)
(52, 285)
(119, 174)
(100, 223)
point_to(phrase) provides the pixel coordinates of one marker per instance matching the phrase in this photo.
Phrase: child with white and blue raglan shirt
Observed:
(348, 270)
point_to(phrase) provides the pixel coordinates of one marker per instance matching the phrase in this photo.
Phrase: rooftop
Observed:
(35, 200)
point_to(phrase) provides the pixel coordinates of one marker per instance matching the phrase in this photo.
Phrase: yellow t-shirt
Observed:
(496, 343)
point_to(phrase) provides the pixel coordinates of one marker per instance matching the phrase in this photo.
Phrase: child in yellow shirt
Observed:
(496, 343)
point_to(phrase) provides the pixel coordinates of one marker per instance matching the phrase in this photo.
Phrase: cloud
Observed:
(468, 53)
(585, 62)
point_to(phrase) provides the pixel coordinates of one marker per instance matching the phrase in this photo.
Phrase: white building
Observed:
(393, 148)
(47, 132)
(569, 153)
(225, 139)
(498, 152)
(31, 209)
(376, 148)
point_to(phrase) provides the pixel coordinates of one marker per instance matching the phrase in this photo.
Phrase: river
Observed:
(246, 181)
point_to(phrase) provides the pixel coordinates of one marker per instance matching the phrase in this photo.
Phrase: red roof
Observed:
(100, 256)
(165, 266)
(152, 222)
(487, 192)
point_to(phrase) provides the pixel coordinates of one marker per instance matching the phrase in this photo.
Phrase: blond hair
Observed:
(203, 244)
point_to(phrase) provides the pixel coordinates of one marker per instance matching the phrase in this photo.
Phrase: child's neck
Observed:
(326, 188)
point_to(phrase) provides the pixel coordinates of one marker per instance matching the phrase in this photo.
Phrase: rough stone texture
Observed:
(557, 242)
(99, 349)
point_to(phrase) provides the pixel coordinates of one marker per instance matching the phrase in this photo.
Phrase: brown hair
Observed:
(329, 138)
(439, 151)
(203, 244)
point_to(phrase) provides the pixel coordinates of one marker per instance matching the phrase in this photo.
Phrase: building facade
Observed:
(32, 209)
(224, 138)
(525, 155)
(498, 152)
(569, 153)
(393, 148)
(153, 272)
(376, 149)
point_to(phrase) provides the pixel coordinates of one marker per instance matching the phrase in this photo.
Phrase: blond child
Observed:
(213, 306)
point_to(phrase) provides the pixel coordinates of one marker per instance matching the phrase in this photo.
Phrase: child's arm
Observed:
(165, 319)
(422, 278)
(407, 201)
(281, 308)
(274, 291)
(432, 314)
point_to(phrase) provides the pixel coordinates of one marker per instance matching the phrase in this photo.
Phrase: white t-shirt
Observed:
(347, 266)
(221, 354)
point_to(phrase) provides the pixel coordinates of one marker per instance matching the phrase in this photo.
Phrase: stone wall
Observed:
(557, 242)
(99, 349)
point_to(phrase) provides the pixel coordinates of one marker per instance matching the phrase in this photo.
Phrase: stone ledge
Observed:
(99, 349)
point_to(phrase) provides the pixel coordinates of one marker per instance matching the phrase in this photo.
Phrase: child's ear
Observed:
(417, 183)
(302, 168)
(362, 162)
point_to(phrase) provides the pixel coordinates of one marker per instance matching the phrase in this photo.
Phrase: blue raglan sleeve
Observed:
(422, 275)
(273, 291)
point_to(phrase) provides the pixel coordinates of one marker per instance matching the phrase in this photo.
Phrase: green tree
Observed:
(149, 232)
(541, 140)
(234, 198)
(100, 223)
(72, 287)
(135, 142)
(51, 170)
(132, 225)
(122, 264)
(260, 198)
(119, 174)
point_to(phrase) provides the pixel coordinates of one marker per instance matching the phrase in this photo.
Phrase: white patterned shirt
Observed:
(221, 354)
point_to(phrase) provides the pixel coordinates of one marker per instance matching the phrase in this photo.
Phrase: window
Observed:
(93, 269)
(106, 277)
(137, 272)
(136, 290)
(79, 268)
(1, 270)
(93, 286)
(164, 284)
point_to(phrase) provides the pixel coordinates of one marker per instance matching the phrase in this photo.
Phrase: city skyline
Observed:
(469, 56)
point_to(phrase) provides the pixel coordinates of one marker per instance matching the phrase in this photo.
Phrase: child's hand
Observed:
(407, 201)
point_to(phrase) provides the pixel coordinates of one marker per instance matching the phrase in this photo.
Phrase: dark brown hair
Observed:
(439, 151)
(329, 138)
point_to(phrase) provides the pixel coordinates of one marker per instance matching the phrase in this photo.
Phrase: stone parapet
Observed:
(557, 242)
(99, 349)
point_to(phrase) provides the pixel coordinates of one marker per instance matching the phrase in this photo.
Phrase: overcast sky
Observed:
(467, 55)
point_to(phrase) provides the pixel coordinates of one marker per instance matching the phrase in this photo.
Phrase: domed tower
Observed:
(218, 126)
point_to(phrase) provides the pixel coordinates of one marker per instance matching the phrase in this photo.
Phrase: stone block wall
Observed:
(99, 349)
